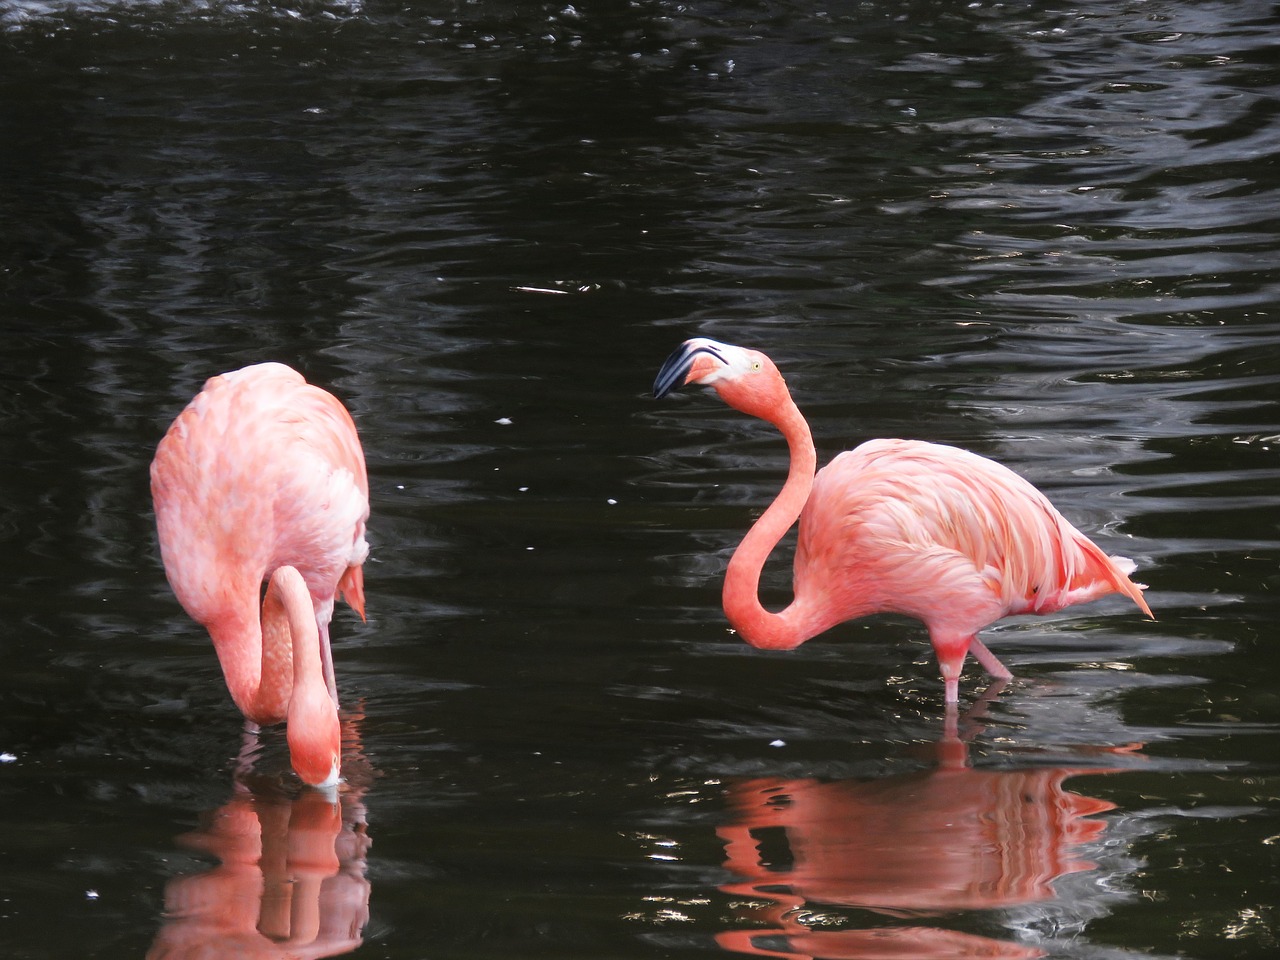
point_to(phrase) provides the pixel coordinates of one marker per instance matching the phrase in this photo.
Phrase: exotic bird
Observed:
(895, 526)
(262, 478)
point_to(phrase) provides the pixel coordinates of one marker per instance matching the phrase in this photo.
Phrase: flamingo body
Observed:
(262, 478)
(896, 526)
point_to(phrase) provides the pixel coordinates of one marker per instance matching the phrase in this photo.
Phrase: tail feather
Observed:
(351, 587)
(1103, 570)
(1123, 564)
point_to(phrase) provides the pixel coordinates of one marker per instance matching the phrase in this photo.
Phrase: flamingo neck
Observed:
(313, 732)
(290, 636)
(274, 672)
(756, 625)
(255, 655)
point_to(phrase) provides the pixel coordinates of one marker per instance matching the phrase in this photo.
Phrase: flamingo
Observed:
(895, 526)
(262, 477)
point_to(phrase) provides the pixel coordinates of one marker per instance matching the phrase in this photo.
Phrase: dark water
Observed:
(1049, 233)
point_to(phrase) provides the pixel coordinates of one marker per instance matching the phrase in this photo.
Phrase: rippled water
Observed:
(1050, 234)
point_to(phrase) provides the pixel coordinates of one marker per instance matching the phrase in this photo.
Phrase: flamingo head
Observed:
(314, 735)
(745, 379)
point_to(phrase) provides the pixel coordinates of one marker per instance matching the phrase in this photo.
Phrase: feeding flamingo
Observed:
(895, 526)
(262, 477)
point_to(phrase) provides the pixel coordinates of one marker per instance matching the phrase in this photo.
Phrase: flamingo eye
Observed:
(756, 366)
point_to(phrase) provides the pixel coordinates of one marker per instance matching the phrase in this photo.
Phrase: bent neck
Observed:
(756, 625)
(265, 659)
(274, 672)
(313, 729)
(288, 605)
(258, 676)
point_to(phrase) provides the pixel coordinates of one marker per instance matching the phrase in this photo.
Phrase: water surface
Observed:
(1048, 234)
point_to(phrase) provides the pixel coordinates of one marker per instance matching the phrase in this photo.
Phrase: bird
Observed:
(261, 478)
(931, 531)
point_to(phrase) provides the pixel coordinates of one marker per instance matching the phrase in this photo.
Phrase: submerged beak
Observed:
(678, 368)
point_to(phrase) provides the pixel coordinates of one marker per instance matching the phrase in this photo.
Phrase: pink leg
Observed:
(950, 725)
(988, 660)
(951, 663)
(951, 689)
(326, 660)
(951, 651)
(250, 747)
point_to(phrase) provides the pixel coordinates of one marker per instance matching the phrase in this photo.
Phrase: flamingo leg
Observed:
(988, 660)
(250, 747)
(950, 651)
(326, 661)
(950, 725)
(951, 687)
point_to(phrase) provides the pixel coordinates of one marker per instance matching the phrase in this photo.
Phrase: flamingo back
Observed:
(944, 535)
(260, 470)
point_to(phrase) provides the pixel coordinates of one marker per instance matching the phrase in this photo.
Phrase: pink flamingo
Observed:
(262, 477)
(895, 526)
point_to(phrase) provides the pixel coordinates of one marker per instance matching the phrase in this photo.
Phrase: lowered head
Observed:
(314, 735)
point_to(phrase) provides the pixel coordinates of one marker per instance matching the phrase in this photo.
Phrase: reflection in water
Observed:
(290, 882)
(947, 839)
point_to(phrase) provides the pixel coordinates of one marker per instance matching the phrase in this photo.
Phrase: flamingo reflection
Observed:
(948, 839)
(290, 882)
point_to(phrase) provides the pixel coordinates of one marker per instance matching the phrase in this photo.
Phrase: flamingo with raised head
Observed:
(262, 478)
(895, 526)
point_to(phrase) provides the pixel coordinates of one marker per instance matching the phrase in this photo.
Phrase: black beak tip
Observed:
(673, 371)
(676, 367)
(665, 384)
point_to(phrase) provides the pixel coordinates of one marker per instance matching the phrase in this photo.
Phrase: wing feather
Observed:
(914, 526)
(262, 428)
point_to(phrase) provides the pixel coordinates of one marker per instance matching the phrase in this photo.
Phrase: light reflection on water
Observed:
(1046, 235)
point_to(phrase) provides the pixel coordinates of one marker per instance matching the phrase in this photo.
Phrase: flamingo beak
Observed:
(691, 361)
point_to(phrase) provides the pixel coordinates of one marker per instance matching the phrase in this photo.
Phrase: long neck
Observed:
(755, 624)
(313, 732)
(274, 671)
(260, 659)
(249, 650)
(290, 636)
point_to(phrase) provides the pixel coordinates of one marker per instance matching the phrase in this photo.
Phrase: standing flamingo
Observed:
(895, 526)
(262, 477)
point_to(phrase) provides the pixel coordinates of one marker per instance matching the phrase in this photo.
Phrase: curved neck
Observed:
(290, 635)
(755, 624)
(274, 671)
(260, 659)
